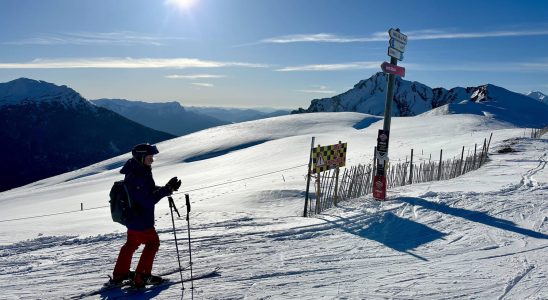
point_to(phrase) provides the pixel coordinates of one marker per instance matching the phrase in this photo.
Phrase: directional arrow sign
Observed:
(395, 53)
(397, 35)
(397, 45)
(392, 69)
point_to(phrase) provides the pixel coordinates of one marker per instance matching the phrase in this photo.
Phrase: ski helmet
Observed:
(140, 151)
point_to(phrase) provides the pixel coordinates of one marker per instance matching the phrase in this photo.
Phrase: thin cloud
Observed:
(433, 35)
(125, 63)
(334, 67)
(320, 90)
(195, 76)
(541, 66)
(320, 37)
(429, 34)
(202, 84)
(95, 38)
(532, 66)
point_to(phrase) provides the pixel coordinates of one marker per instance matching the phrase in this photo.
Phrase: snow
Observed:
(483, 235)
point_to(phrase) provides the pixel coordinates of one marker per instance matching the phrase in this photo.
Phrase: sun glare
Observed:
(181, 4)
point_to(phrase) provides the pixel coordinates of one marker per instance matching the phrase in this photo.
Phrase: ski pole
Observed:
(172, 207)
(189, 250)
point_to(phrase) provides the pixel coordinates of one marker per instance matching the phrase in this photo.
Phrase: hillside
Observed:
(482, 235)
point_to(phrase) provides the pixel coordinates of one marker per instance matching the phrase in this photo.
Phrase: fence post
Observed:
(483, 152)
(461, 171)
(474, 161)
(337, 178)
(318, 193)
(374, 167)
(489, 143)
(439, 167)
(305, 214)
(411, 168)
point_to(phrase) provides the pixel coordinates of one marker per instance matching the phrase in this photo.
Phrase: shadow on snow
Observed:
(395, 232)
(474, 216)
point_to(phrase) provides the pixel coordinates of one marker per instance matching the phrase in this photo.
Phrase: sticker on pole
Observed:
(382, 140)
(379, 188)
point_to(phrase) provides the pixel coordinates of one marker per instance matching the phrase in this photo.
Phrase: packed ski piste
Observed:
(220, 216)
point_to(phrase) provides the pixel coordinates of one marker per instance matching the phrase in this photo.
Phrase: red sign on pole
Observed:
(393, 69)
(379, 188)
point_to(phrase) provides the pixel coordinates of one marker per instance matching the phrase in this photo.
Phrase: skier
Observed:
(144, 194)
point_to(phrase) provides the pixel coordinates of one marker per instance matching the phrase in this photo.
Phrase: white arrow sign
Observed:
(395, 53)
(397, 35)
(397, 45)
(382, 157)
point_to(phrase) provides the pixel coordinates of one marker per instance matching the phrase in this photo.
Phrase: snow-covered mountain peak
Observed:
(481, 93)
(25, 91)
(413, 98)
(537, 95)
(376, 81)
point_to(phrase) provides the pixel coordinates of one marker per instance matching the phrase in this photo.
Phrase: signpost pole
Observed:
(389, 97)
(395, 51)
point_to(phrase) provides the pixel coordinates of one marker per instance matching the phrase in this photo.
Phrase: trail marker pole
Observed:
(395, 51)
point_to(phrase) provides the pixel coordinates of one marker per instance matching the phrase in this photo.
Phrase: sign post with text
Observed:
(397, 42)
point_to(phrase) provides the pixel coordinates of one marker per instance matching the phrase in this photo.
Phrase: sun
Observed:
(180, 4)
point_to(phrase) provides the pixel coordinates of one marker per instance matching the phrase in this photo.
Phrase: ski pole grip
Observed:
(187, 203)
(172, 205)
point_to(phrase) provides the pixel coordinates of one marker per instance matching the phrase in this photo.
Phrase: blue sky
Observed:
(275, 53)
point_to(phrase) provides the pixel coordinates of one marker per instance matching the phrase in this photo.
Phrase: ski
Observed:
(125, 283)
(128, 291)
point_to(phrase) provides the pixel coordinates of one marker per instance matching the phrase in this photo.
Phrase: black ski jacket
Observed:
(143, 193)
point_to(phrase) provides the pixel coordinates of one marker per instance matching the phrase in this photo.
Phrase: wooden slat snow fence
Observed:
(536, 133)
(356, 181)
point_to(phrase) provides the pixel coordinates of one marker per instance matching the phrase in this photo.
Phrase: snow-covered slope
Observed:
(500, 104)
(482, 235)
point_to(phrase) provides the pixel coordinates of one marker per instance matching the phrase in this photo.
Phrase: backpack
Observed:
(120, 203)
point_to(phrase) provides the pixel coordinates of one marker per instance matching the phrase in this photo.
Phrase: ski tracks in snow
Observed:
(515, 280)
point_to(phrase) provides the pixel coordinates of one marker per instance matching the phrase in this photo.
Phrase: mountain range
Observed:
(168, 117)
(48, 129)
(412, 98)
(237, 115)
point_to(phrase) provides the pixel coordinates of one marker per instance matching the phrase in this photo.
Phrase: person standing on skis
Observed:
(144, 195)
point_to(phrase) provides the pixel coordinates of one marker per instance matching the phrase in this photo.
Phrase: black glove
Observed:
(174, 184)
